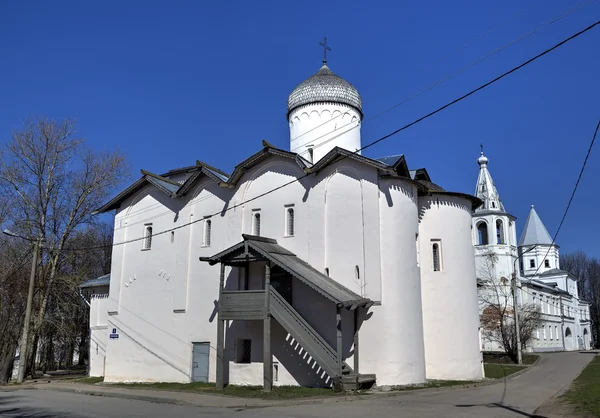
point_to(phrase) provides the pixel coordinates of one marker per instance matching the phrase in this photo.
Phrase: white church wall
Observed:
(147, 349)
(323, 126)
(395, 331)
(98, 334)
(449, 295)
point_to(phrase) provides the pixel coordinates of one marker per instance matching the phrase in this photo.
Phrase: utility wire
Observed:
(19, 264)
(441, 81)
(423, 68)
(587, 156)
(422, 118)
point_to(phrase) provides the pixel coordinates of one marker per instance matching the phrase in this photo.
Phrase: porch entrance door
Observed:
(281, 281)
(200, 358)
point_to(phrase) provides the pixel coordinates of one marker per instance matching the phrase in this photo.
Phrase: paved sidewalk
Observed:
(160, 396)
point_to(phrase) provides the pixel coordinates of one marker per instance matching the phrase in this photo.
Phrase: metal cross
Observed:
(481, 145)
(325, 49)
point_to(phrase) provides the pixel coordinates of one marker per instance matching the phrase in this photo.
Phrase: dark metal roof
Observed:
(390, 160)
(97, 282)
(271, 250)
(324, 86)
(554, 272)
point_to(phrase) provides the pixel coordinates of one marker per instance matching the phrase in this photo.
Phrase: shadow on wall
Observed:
(404, 188)
(136, 339)
(440, 200)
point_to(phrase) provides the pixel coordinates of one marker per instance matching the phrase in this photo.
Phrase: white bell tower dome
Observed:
(324, 112)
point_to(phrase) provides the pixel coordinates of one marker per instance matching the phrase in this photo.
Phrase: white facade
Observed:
(316, 129)
(370, 225)
(534, 261)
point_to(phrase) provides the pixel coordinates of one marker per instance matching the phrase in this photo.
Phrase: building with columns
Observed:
(534, 263)
(313, 265)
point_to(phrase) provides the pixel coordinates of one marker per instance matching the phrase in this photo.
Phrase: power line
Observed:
(587, 156)
(423, 68)
(422, 118)
(439, 82)
(19, 264)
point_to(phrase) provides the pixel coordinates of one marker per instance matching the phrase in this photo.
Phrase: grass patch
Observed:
(88, 380)
(501, 358)
(499, 371)
(434, 384)
(278, 392)
(584, 392)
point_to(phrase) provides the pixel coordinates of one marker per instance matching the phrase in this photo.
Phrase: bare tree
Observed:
(54, 182)
(498, 314)
(587, 270)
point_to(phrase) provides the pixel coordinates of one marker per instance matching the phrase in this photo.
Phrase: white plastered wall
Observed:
(450, 305)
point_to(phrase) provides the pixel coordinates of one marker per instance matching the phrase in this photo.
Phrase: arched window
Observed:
(147, 236)
(207, 232)
(327, 271)
(482, 233)
(290, 222)
(499, 232)
(568, 332)
(256, 224)
(547, 263)
(435, 250)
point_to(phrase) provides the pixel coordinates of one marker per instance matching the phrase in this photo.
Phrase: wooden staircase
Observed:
(324, 355)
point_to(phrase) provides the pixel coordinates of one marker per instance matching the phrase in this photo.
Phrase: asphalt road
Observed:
(517, 397)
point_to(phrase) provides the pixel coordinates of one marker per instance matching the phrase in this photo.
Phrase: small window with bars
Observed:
(207, 232)
(256, 223)
(436, 255)
(147, 237)
(244, 351)
(289, 221)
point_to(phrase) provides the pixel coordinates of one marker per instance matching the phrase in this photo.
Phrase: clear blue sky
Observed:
(172, 82)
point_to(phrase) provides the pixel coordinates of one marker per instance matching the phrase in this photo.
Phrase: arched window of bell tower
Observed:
(500, 232)
(482, 233)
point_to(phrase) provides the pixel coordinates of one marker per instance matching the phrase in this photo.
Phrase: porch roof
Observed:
(269, 249)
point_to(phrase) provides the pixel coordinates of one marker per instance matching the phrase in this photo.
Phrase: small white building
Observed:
(310, 266)
(566, 317)
(95, 292)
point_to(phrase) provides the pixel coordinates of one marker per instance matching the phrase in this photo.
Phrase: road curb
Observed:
(268, 404)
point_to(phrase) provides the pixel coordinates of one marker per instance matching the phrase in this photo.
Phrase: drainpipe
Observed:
(562, 323)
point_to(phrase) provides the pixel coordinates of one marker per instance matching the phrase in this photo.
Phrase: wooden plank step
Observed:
(358, 381)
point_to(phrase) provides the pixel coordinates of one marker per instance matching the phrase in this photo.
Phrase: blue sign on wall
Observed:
(114, 335)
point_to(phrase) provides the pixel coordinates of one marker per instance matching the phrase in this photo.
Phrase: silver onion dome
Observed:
(322, 87)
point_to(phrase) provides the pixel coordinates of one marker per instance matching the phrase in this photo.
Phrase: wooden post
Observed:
(340, 360)
(267, 357)
(220, 335)
(356, 340)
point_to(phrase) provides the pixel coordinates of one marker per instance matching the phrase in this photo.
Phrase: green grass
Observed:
(584, 393)
(278, 392)
(502, 358)
(434, 384)
(499, 371)
(88, 380)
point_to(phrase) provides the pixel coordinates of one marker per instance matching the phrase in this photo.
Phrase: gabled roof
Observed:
(97, 282)
(398, 168)
(393, 166)
(265, 153)
(535, 232)
(538, 284)
(267, 248)
(171, 188)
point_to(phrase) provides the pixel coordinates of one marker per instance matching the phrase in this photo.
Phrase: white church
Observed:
(312, 266)
(534, 260)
